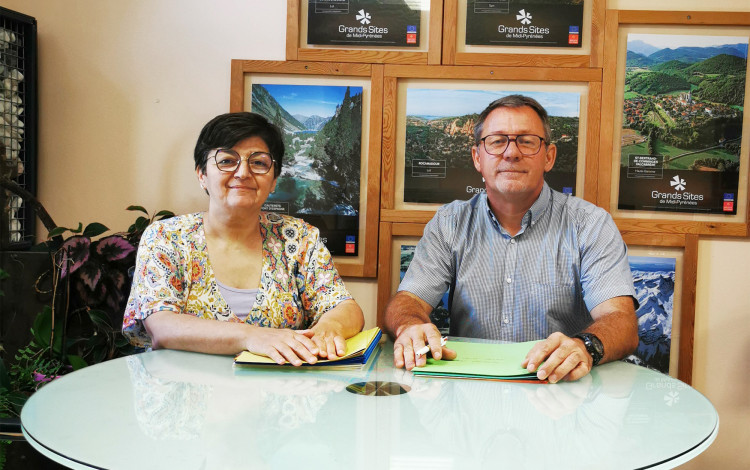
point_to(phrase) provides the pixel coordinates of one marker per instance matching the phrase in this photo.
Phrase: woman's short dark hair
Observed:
(513, 101)
(226, 130)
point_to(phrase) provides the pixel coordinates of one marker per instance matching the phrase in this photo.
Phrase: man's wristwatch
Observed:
(593, 345)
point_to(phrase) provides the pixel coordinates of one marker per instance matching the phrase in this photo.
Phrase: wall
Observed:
(722, 330)
(125, 87)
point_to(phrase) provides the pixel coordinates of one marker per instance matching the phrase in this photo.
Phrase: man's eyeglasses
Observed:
(497, 144)
(228, 160)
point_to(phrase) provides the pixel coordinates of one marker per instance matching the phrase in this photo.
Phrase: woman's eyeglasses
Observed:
(228, 160)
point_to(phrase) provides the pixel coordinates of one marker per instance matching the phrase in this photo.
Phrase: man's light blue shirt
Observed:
(567, 258)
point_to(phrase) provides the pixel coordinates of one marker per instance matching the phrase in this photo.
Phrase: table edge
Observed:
(54, 455)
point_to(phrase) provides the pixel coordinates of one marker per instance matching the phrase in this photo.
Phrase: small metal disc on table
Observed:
(377, 388)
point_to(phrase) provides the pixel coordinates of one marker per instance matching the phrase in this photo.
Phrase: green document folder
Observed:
(482, 361)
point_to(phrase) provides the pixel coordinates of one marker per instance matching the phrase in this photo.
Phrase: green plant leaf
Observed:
(57, 231)
(137, 208)
(97, 347)
(163, 215)
(77, 362)
(100, 354)
(94, 341)
(121, 341)
(17, 399)
(94, 229)
(42, 331)
(79, 229)
(141, 223)
(100, 319)
(43, 327)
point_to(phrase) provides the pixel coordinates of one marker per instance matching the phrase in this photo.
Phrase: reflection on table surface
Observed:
(171, 409)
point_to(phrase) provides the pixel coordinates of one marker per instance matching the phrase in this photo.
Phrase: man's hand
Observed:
(558, 358)
(412, 338)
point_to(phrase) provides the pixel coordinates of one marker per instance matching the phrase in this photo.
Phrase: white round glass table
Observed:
(171, 409)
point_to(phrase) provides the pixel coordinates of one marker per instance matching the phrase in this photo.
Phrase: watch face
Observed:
(597, 343)
(593, 346)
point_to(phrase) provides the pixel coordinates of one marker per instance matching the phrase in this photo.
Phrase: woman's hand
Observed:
(333, 328)
(282, 345)
(328, 337)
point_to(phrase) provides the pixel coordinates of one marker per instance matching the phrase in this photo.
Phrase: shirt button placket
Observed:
(508, 288)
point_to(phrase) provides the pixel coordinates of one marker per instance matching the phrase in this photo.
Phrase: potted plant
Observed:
(86, 281)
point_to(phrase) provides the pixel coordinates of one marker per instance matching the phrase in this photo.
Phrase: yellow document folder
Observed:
(358, 350)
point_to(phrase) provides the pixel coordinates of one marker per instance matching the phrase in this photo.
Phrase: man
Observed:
(523, 262)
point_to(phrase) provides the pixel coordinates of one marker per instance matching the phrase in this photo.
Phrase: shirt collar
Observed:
(535, 212)
(540, 206)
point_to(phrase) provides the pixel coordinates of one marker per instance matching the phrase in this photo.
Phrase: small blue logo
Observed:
(567, 190)
(411, 29)
(351, 239)
(572, 29)
(729, 196)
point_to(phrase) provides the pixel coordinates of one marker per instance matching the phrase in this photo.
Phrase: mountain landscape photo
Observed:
(684, 100)
(654, 281)
(321, 169)
(440, 127)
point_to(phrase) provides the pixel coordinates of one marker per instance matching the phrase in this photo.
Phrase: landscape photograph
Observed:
(440, 134)
(440, 316)
(654, 281)
(320, 176)
(683, 103)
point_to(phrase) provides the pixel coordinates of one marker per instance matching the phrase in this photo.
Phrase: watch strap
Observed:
(593, 346)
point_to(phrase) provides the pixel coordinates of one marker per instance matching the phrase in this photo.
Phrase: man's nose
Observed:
(512, 152)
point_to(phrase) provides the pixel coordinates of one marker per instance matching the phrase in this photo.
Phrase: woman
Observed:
(267, 278)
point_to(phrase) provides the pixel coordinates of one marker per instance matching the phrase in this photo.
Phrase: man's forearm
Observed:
(617, 329)
(405, 309)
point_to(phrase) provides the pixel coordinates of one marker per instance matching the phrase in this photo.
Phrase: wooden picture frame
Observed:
(370, 77)
(428, 52)
(398, 78)
(620, 23)
(456, 52)
(685, 248)
(389, 233)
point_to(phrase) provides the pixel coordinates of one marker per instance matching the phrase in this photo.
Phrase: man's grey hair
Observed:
(513, 101)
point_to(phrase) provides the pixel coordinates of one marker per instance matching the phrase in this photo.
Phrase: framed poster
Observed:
(682, 123)
(439, 135)
(428, 133)
(664, 269)
(397, 244)
(363, 23)
(331, 127)
(563, 33)
(372, 31)
(524, 23)
(675, 131)
(440, 315)
(320, 180)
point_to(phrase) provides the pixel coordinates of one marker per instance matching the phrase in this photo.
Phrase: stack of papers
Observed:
(358, 350)
(486, 361)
